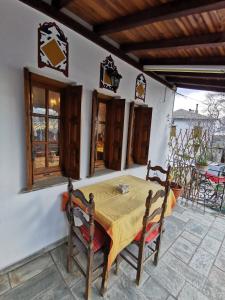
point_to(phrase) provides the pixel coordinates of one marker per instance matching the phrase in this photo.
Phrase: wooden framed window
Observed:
(106, 132)
(139, 128)
(45, 123)
(52, 128)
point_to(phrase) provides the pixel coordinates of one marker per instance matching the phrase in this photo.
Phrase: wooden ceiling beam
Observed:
(185, 61)
(200, 87)
(192, 75)
(198, 81)
(58, 4)
(59, 16)
(197, 41)
(170, 10)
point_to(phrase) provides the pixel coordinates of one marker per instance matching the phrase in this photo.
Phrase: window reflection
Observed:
(53, 155)
(38, 100)
(53, 130)
(54, 103)
(38, 125)
(39, 156)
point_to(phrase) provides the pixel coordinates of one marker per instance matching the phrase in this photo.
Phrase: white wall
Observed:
(31, 221)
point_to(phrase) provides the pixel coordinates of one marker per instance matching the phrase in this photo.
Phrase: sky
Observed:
(190, 99)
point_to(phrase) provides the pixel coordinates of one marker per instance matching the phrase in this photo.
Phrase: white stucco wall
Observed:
(31, 221)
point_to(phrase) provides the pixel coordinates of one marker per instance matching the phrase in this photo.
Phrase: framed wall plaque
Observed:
(52, 48)
(140, 87)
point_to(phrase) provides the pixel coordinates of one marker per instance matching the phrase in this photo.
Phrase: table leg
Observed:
(105, 275)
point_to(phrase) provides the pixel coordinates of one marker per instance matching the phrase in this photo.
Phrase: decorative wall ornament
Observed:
(140, 87)
(109, 76)
(52, 48)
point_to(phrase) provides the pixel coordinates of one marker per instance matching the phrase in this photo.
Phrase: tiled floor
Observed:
(191, 267)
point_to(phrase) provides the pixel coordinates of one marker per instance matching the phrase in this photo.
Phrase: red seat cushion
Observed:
(152, 235)
(99, 239)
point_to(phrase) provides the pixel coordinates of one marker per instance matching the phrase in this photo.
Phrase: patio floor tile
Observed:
(60, 258)
(217, 277)
(211, 245)
(168, 278)
(30, 269)
(191, 237)
(48, 281)
(220, 260)
(202, 261)
(190, 293)
(216, 234)
(4, 284)
(189, 274)
(154, 291)
(183, 249)
(213, 291)
(196, 228)
(219, 223)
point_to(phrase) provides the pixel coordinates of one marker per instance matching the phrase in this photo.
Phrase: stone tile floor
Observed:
(191, 267)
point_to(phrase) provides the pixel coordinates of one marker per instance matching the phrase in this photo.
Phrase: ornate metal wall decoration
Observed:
(52, 48)
(140, 87)
(109, 76)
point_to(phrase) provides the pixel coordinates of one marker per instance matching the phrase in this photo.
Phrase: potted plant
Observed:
(202, 163)
(175, 187)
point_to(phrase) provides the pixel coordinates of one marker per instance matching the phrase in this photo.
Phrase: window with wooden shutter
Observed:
(140, 118)
(71, 120)
(51, 106)
(106, 132)
(114, 133)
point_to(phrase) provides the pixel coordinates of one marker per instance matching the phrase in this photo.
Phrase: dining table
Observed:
(121, 215)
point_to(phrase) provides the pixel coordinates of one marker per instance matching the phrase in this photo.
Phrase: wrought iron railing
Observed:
(185, 149)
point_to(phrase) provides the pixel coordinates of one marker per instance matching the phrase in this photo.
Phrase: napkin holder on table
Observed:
(123, 188)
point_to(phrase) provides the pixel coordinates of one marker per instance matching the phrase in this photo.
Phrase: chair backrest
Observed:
(150, 215)
(165, 183)
(156, 178)
(80, 215)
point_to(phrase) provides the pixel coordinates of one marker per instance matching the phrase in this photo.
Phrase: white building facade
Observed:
(31, 221)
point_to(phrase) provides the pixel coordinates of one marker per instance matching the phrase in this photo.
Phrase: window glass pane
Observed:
(53, 130)
(101, 112)
(39, 156)
(54, 103)
(39, 125)
(53, 155)
(38, 100)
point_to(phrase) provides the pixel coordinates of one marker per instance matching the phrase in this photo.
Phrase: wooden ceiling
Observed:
(157, 32)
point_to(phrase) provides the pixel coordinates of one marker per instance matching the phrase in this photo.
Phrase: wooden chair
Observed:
(156, 178)
(150, 235)
(84, 236)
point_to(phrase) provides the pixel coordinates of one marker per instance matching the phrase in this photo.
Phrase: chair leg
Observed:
(158, 243)
(69, 252)
(89, 275)
(117, 264)
(105, 274)
(140, 263)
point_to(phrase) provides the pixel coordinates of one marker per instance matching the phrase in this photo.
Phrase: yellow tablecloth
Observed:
(121, 215)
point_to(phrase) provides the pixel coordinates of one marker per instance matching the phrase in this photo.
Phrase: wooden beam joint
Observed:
(167, 11)
(197, 41)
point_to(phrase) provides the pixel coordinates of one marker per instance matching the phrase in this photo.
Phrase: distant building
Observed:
(188, 119)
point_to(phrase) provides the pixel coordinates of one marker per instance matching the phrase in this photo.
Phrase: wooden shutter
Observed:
(70, 131)
(129, 159)
(93, 132)
(27, 97)
(114, 133)
(143, 118)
